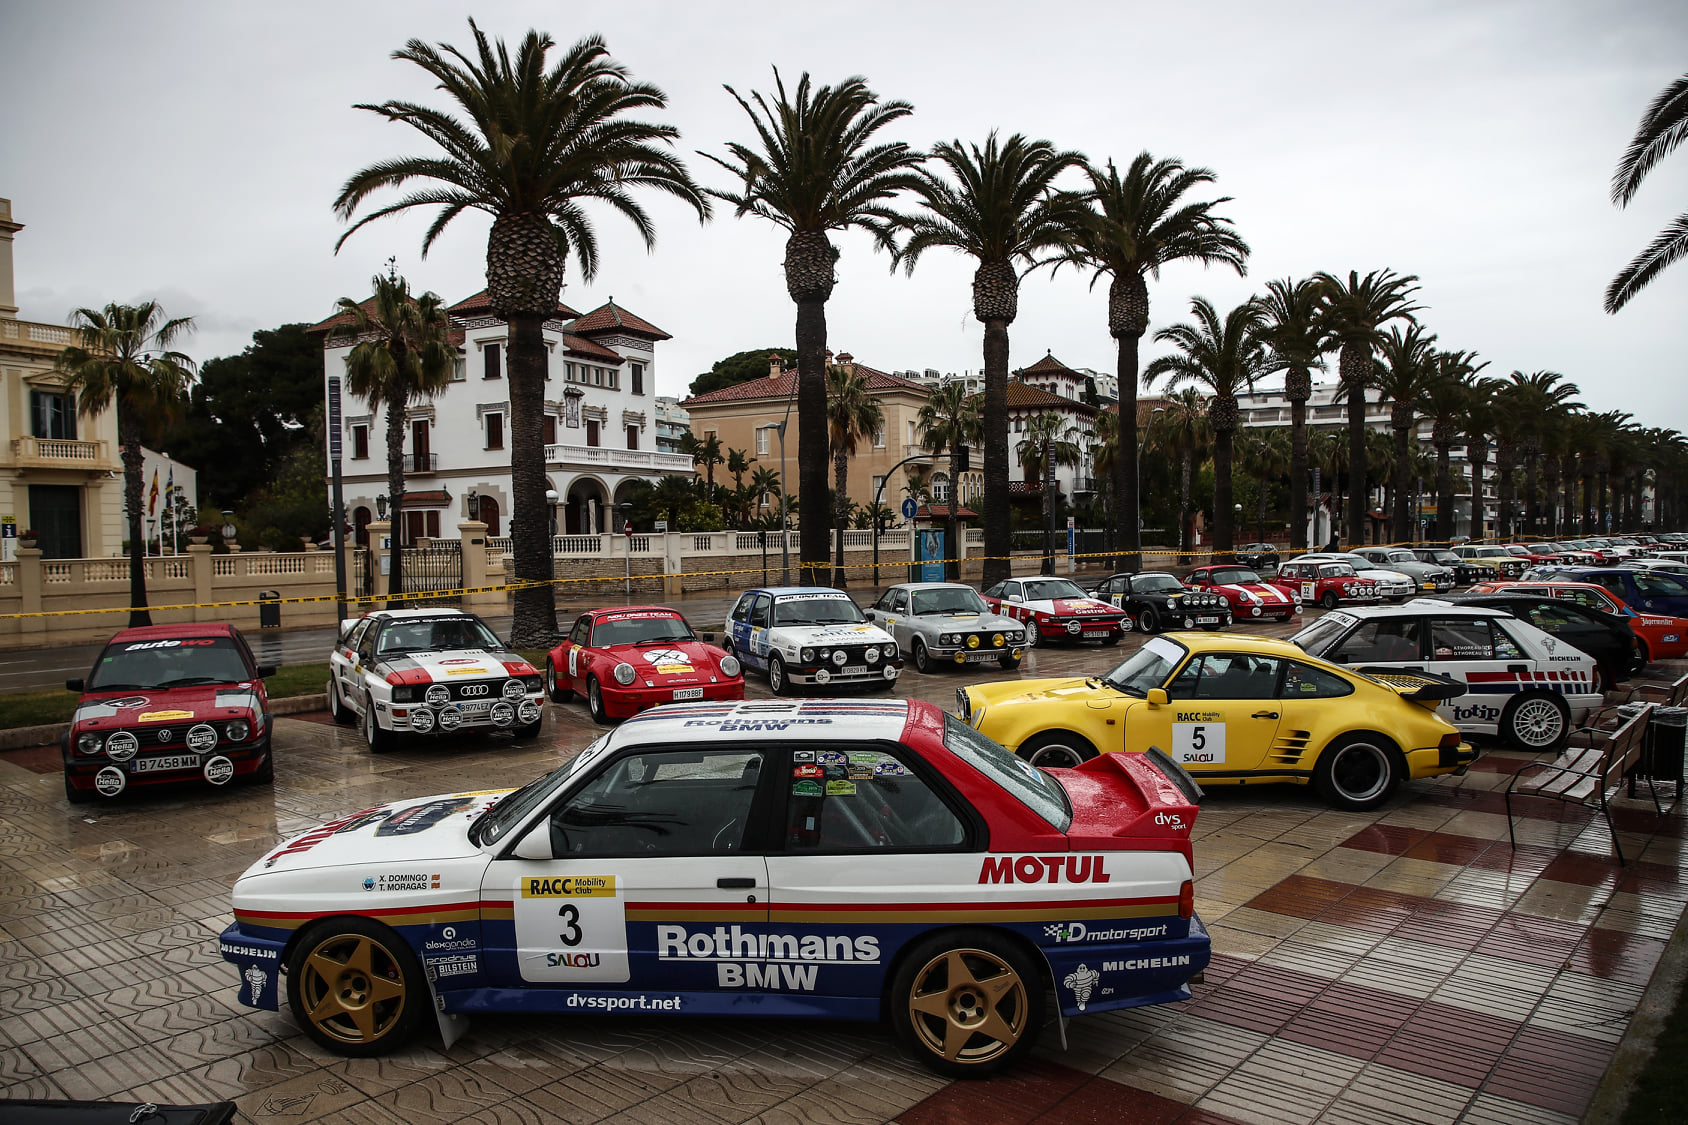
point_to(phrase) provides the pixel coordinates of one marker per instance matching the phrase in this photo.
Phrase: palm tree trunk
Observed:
(1400, 518)
(1299, 503)
(133, 477)
(1224, 534)
(1604, 497)
(1532, 511)
(535, 607)
(1505, 463)
(397, 395)
(1125, 465)
(954, 552)
(1352, 364)
(998, 541)
(1047, 566)
(1185, 531)
(1477, 452)
(840, 510)
(811, 440)
(1444, 495)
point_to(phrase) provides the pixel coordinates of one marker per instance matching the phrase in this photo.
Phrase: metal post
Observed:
(785, 491)
(878, 498)
(336, 500)
(762, 537)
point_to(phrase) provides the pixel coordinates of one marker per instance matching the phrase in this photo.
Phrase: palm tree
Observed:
(1264, 454)
(765, 482)
(1227, 357)
(997, 205)
(1050, 441)
(1104, 452)
(1662, 128)
(1141, 222)
(1537, 399)
(1295, 332)
(1327, 449)
(1407, 369)
(1443, 400)
(124, 355)
(401, 354)
(1182, 426)
(705, 453)
(817, 170)
(1353, 314)
(949, 420)
(1479, 427)
(852, 414)
(738, 464)
(538, 144)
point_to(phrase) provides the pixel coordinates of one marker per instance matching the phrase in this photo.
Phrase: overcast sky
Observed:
(190, 152)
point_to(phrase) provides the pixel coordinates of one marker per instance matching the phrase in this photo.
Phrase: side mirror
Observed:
(265, 671)
(1013, 597)
(537, 843)
(74, 685)
(1156, 697)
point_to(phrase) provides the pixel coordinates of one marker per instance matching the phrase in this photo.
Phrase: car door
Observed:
(364, 662)
(344, 665)
(573, 671)
(1222, 715)
(1488, 662)
(760, 622)
(650, 876)
(738, 628)
(1564, 623)
(896, 620)
(868, 831)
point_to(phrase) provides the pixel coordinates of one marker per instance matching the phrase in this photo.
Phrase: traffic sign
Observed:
(909, 508)
(627, 528)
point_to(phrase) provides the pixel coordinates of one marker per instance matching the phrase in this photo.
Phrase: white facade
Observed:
(169, 491)
(673, 422)
(600, 427)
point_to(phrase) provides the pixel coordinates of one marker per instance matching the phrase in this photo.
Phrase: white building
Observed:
(673, 423)
(599, 425)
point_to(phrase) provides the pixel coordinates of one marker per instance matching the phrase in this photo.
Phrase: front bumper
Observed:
(259, 962)
(624, 703)
(1078, 629)
(405, 718)
(222, 764)
(831, 676)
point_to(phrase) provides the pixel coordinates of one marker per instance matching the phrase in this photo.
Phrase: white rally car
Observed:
(831, 859)
(422, 671)
(1056, 610)
(810, 635)
(1521, 683)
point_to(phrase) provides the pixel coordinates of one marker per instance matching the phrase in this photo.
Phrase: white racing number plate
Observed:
(853, 670)
(687, 693)
(167, 762)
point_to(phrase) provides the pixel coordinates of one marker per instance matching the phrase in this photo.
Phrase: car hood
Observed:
(1384, 574)
(672, 662)
(174, 706)
(1259, 591)
(944, 622)
(445, 666)
(856, 633)
(1039, 692)
(1070, 607)
(418, 830)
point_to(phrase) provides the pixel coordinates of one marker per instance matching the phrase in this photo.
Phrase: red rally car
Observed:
(626, 659)
(1251, 596)
(1056, 610)
(167, 704)
(1330, 584)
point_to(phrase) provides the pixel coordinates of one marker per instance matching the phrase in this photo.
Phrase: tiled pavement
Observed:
(1400, 966)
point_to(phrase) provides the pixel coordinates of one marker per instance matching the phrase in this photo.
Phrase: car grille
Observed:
(147, 739)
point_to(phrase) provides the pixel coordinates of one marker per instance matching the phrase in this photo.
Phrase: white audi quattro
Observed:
(398, 672)
(830, 859)
(1522, 684)
(810, 635)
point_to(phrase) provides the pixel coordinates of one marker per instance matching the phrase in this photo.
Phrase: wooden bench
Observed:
(1591, 767)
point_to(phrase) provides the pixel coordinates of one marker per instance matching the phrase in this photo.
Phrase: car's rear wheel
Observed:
(778, 681)
(356, 987)
(922, 658)
(595, 701)
(337, 708)
(1329, 599)
(554, 691)
(1057, 748)
(1358, 771)
(967, 1002)
(1536, 723)
(379, 741)
(1148, 621)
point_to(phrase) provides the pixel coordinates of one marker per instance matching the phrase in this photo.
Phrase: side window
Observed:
(1384, 639)
(759, 611)
(581, 631)
(1461, 639)
(1011, 590)
(1303, 681)
(1506, 646)
(1183, 685)
(1612, 582)
(366, 646)
(355, 641)
(994, 591)
(742, 609)
(899, 602)
(884, 602)
(661, 803)
(863, 800)
(1230, 675)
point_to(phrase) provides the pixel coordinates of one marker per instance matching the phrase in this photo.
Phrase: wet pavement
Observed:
(1404, 965)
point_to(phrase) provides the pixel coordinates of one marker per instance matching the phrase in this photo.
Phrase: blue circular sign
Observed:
(909, 508)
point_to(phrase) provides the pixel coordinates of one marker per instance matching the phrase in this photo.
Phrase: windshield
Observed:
(949, 599)
(1156, 584)
(816, 609)
(432, 634)
(1048, 589)
(1321, 634)
(1492, 553)
(1232, 575)
(1034, 788)
(1340, 570)
(1360, 562)
(513, 808)
(151, 665)
(1146, 668)
(1447, 557)
(1401, 556)
(641, 629)
(1514, 549)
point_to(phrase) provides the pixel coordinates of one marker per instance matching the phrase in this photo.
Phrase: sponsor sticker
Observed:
(802, 755)
(806, 789)
(840, 788)
(569, 886)
(810, 770)
(477, 671)
(164, 716)
(1200, 743)
(404, 881)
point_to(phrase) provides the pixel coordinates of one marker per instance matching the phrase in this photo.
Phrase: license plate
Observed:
(169, 762)
(1097, 632)
(853, 670)
(982, 655)
(1207, 621)
(479, 707)
(687, 693)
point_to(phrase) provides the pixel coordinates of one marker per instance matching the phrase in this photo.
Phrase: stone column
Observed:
(472, 535)
(201, 566)
(29, 586)
(378, 552)
(673, 564)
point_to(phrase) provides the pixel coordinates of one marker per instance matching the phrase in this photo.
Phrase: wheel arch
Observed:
(1026, 945)
(315, 924)
(1388, 741)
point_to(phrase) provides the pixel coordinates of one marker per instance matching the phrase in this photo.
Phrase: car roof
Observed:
(1418, 606)
(170, 632)
(1238, 642)
(783, 591)
(804, 720)
(931, 586)
(407, 614)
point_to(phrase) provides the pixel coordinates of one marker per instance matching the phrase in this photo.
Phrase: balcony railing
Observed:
(61, 453)
(421, 462)
(1025, 488)
(640, 460)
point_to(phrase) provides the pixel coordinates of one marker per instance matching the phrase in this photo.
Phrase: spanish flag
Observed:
(152, 498)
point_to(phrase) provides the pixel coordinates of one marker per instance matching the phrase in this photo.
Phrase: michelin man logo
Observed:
(1082, 980)
(256, 978)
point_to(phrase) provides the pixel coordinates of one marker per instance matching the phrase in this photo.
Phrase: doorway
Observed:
(55, 510)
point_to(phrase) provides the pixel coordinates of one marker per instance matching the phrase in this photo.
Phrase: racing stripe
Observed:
(395, 916)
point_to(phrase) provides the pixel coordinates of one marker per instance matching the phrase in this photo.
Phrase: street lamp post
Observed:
(879, 496)
(625, 510)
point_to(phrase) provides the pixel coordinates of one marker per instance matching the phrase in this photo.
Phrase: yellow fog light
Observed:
(997, 640)
(973, 641)
(960, 659)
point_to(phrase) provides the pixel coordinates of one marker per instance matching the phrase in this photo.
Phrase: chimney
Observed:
(846, 357)
(774, 368)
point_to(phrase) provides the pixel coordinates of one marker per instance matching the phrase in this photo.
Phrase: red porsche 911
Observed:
(629, 658)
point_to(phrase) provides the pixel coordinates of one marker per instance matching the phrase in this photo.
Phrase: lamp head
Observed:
(550, 496)
(473, 500)
(381, 506)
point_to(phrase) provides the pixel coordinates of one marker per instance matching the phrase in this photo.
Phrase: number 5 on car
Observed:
(1198, 743)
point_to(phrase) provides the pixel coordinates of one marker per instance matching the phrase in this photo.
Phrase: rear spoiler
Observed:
(1175, 773)
(1423, 687)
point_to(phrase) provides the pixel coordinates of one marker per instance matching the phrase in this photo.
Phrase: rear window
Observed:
(179, 662)
(1024, 781)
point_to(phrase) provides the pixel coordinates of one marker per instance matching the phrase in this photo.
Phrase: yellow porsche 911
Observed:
(1235, 709)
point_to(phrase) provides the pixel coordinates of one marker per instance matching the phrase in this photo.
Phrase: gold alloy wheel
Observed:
(353, 988)
(968, 1006)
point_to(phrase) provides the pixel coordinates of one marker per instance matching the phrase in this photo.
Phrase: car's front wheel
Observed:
(1057, 748)
(1536, 723)
(78, 796)
(778, 681)
(1357, 771)
(265, 773)
(1008, 661)
(379, 741)
(1329, 599)
(554, 691)
(922, 658)
(1148, 621)
(356, 987)
(595, 702)
(967, 1002)
(337, 708)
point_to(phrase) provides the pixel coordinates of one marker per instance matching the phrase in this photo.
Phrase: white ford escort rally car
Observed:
(832, 859)
(421, 671)
(810, 635)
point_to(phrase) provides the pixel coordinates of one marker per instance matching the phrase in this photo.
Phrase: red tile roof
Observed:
(1048, 365)
(575, 345)
(782, 387)
(432, 498)
(1023, 396)
(610, 317)
(480, 301)
(941, 512)
(340, 318)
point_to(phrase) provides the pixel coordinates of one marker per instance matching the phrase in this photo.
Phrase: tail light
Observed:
(1187, 900)
(1449, 741)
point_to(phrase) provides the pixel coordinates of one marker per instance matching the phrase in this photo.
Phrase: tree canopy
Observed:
(740, 367)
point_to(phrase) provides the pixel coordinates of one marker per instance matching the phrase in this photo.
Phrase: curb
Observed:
(20, 738)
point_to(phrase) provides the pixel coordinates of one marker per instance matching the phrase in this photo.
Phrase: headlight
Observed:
(730, 666)
(963, 705)
(624, 674)
(872, 655)
(839, 656)
(122, 746)
(421, 720)
(438, 695)
(514, 689)
(1074, 627)
(998, 639)
(973, 641)
(808, 656)
(407, 694)
(89, 744)
(891, 651)
(239, 730)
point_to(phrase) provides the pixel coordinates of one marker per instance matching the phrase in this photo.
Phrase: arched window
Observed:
(489, 514)
(360, 526)
(940, 487)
